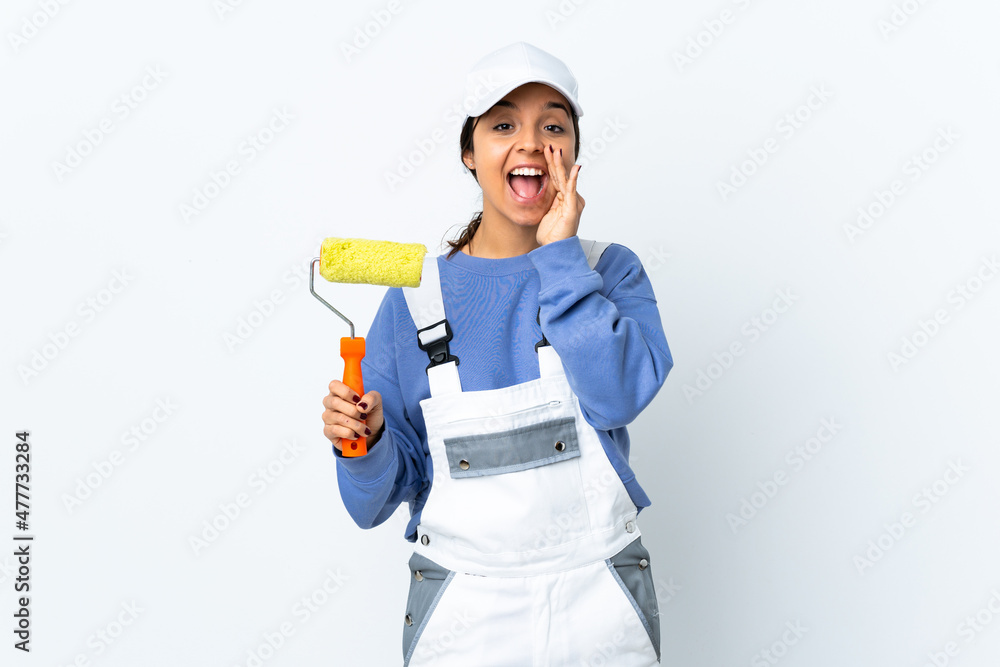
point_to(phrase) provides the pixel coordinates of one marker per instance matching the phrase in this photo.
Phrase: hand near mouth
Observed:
(563, 218)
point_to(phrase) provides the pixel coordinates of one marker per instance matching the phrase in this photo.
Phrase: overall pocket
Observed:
(513, 491)
(631, 568)
(512, 450)
(428, 582)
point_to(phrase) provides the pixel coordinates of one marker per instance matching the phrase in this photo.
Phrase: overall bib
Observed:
(528, 551)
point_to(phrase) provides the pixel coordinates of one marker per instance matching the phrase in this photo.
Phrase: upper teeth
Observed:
(527, 171)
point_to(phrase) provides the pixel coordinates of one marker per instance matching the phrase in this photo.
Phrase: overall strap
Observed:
(593, 250)
(433, 331)
(426, 306)
(549, 363)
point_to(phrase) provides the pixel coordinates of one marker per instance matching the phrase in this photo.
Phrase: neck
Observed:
(499, 241)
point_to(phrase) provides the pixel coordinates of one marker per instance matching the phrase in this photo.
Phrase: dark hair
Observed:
(465, 144)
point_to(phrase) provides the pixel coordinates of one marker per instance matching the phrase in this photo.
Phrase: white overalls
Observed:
(528, 551)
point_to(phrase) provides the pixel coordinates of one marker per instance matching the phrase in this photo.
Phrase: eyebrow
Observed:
(548, 105)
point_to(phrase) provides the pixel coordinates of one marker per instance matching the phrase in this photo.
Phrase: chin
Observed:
(527, 219)
(526, 216)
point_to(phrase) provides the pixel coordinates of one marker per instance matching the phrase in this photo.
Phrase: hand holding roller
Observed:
(366, 262)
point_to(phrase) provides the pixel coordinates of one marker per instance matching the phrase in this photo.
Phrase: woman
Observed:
(523, 506)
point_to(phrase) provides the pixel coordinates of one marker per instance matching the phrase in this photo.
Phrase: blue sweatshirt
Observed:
(615, 369)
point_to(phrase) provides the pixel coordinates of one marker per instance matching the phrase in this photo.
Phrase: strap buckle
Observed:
(437, 350)
(543, 341)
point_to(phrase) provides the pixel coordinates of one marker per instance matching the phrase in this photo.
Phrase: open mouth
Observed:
(526, 188)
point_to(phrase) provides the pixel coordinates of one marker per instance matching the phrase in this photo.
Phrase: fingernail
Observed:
(364, 406)
(368, 431)
(364, 416)
(357, 398)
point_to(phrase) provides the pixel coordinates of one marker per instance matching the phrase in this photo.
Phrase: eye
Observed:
(499, 124)
(558, 127)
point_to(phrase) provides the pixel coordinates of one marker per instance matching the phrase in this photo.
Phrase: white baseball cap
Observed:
(514, 65)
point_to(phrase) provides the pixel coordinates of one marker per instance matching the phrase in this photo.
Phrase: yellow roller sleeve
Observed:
(372, 262)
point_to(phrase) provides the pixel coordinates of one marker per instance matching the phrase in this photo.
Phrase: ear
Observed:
(467, 159)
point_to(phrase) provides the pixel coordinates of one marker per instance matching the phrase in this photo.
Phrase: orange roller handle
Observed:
(353, 351)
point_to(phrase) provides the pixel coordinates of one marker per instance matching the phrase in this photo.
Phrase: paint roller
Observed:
(361, 261)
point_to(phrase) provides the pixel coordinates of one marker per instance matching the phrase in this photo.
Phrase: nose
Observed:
(530, 139)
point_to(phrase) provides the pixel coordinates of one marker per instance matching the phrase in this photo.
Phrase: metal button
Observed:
(629, 526)
(643, 564)
(463, 464)
(426, 540)
(418, 575)
(408, 620)
(560, 445)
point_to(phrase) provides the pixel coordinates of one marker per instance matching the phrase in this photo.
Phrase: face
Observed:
(513, 133)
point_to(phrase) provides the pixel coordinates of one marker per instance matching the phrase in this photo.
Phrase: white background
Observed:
(826, 550)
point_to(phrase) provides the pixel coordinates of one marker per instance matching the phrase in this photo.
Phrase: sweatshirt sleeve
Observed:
(393, 470)
(612, 347)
